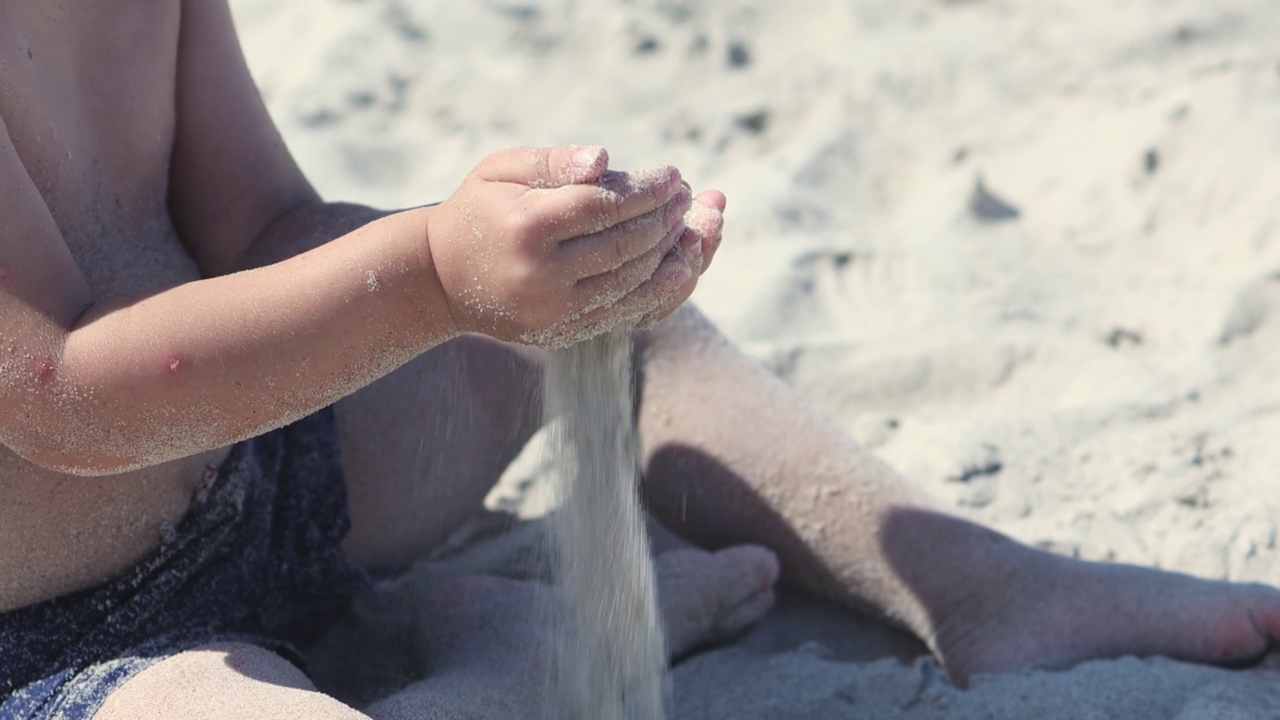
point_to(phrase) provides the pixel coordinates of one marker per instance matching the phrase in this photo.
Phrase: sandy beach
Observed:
(1029, 253)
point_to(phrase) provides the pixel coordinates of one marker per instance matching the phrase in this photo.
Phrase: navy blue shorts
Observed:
(257, 559)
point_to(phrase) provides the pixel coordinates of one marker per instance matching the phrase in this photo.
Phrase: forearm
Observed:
(305, 228)
(211, 362)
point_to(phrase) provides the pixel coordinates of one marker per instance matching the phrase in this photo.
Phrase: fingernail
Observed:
(689, 238)
(586, 157)
(695, 249)
(684, 272)
(704, 218)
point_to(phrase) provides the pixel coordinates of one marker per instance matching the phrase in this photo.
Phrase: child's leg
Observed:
(734, 456)
(423, 446)
(222, 682)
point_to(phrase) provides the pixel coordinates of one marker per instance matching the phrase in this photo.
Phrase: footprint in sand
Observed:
(882, 378)
(862, 291)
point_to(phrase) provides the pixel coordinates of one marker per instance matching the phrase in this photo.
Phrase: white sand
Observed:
(1100, 375)
(611, 656)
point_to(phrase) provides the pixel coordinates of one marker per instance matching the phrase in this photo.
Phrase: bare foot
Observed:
(487, 658)
(708, 598)
(1059, 611)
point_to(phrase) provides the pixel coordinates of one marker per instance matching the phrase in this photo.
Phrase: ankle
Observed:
(970, 588)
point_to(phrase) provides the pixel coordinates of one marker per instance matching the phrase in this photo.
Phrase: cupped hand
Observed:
(546, 246)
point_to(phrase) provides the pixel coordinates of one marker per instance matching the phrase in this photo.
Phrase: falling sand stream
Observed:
(610, 659)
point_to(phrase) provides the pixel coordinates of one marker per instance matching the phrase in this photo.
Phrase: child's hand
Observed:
(545, 247)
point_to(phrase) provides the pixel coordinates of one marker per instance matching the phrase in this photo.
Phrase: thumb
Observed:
(546, 167)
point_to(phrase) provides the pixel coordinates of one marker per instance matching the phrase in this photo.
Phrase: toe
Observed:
(1271, 618)
(708, 597)
(1248, 633)
(1266, 616)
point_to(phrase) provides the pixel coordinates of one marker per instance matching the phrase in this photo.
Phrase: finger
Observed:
(691, 242)
(656, 301)
(575, 210)
(672, 273)
(706, 220)
(610, 249)
(714, 199)
(545, 167)
(610, 287)
(663, 311)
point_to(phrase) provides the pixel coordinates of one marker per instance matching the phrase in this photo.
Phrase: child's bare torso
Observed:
(87, 95)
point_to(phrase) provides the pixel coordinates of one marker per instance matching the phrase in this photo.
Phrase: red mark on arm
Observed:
(42, 370)
(175, 364)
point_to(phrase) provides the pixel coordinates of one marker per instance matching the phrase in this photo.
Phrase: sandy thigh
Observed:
(227, 681)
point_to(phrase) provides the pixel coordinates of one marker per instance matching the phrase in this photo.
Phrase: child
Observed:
(190, 336)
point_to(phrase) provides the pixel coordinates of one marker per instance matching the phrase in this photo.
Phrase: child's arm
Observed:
(98, 386)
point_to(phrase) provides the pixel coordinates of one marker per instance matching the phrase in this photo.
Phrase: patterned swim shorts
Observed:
(257, 559)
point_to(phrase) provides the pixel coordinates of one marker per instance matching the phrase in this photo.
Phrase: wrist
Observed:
(435, 309)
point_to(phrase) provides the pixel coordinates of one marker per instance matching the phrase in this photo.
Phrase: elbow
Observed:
(94, 467)
(64, 458)
(51, 416)
(69, 445)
